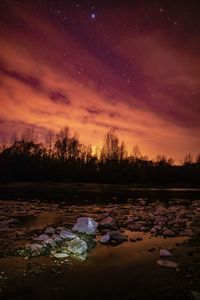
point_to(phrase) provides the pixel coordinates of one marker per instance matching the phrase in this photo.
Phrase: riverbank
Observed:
(159, 257)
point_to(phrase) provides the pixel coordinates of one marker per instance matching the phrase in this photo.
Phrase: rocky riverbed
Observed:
(153, 248)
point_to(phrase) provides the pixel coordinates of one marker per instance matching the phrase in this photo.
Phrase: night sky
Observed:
(133, 66)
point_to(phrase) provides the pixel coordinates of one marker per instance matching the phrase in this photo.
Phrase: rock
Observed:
(85, 225)
(158, 227)
(82, 257)
(165, 253)
(42, 237)
(167, 264)
(153, 230)
(20, 233)
(65, 234)
(6, 224)
(151, 249)
(12, 222)
(144, 228)
(60, 255)
(103, 215)
(34, 247)
(49, 242)
(168, 232)
(134, 226)
(105, 238)
(135, 239)
(77, 246)
(160, 221)
(49, 230)
(160, 209)
(56, 238)
(131, 219)
(108, 222)
(117, 236)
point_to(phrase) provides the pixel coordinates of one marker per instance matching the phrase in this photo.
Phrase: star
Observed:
(93, 15)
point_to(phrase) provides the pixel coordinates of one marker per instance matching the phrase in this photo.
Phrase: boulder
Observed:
(85, 225)
(77, 246)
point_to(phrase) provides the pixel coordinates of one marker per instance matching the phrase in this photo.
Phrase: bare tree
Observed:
(136, 152)
(122, 151)
(85, 153)
(49, 142)
(29, 135)
(198, 158)
(67, 146)
(3, 144)
(73, 147)
(61, 144)
(188, 160)
(111, 147)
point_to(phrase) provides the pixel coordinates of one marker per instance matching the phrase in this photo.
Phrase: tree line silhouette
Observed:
(63, 157)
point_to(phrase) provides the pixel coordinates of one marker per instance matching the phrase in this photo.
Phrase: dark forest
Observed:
(63, 158)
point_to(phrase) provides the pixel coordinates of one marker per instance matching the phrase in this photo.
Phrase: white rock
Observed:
(65, 234)
(165, 253)
(77, 246)
(85, 225)
(60, 255)
(105, 238)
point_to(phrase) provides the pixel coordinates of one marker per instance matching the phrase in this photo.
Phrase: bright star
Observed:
(93, 16)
